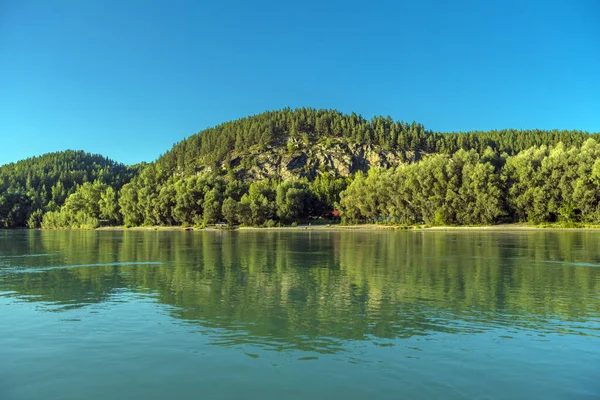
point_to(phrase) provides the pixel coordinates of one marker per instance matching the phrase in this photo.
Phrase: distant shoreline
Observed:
(363, 227)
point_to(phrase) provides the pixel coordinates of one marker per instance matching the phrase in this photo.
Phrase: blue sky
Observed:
(128, 79)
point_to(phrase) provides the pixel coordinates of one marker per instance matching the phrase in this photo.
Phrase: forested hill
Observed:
(304, 142)
(289, 166)
(35, 185)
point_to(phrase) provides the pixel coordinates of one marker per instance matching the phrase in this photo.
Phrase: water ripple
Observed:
(21, 270)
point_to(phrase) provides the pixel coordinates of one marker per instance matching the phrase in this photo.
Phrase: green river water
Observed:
(107, 315)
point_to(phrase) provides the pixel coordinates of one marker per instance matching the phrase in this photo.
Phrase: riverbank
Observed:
(369, 227)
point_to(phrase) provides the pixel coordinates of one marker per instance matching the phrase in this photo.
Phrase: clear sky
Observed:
(129, 78)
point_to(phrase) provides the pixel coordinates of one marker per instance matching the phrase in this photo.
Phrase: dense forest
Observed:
(32, 187)
(290, 166)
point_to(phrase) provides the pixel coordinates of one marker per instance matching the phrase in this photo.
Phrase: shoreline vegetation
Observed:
(294, 166)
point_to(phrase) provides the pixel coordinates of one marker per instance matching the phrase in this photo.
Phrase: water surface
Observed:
(299, 315)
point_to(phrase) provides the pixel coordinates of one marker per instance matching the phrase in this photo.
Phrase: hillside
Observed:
(306, 142)
(287, 166)
(39, 184)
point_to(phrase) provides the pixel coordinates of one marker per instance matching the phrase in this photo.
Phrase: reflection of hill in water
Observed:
(292, 288)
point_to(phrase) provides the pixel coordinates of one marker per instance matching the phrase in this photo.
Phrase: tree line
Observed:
(540, 184)
(452, 178)
(31, 187)
(197, 200)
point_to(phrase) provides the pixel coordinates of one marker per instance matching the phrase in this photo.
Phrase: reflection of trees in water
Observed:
(292, 288)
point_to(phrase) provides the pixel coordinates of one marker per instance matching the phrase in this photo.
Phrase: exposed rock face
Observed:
(338, 159)
(297, 162)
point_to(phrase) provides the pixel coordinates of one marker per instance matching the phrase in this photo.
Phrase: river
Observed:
(299, 315)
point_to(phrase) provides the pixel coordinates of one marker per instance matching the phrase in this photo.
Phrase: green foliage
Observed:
(326, 191)
(35, 219)
(69, 219)
(44, 183)
(84, 209)
(294, 200)
(14, 210)
(258, 205)
(440, 218)
(230, 211)
(245, 212)
(455, 178)
(109, 207)
(212, 206)
(439, 190)
(361, 201)
(540, 184)
(216, 146)
(129, 205)
(213, 146)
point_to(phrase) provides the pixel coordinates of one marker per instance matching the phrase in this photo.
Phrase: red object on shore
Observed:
(335, 214)
(188, 229)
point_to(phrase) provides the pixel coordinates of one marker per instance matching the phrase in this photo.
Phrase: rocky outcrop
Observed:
(302, 160)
